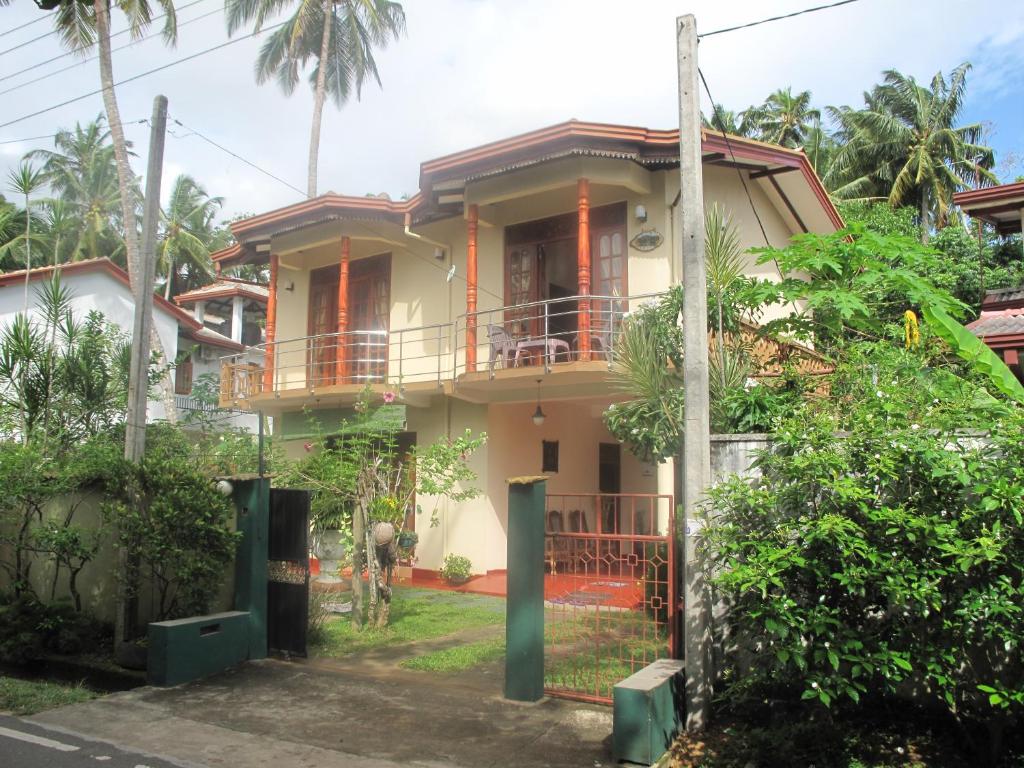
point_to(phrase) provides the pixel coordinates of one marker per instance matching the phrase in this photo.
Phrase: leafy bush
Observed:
(29, 630)
(456, 567)
(887, 559)
(173, 522)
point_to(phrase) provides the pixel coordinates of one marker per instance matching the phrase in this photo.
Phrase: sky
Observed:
(472, 71)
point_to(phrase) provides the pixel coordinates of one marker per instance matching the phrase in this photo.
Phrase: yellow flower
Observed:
(911, 333)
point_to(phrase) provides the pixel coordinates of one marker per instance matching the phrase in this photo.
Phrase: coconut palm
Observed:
(81, 26)
(82, 172)
(188, 235)
(339, 36)
(722, 119)
(906, 146)
(783, 118)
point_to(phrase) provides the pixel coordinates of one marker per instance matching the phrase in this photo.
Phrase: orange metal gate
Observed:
(610, 590)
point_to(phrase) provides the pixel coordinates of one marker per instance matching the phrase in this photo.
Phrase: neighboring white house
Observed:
(101, 285)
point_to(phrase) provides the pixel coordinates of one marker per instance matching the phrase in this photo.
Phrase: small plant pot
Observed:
(407, 540)
(456, 581)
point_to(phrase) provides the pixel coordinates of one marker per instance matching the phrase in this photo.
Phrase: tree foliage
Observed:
(880, 550)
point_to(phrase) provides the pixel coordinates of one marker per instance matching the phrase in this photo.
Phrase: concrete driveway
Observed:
(325, 714)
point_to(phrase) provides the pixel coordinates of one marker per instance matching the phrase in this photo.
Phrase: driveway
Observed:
(327, 713)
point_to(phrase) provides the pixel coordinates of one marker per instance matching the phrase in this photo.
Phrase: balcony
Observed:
(496, 350)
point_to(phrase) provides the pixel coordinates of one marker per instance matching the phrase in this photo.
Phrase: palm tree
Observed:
(25, 180)
(338, 35)
(82, 171)
(722, 119)
(81, 26)
(905, 146)
(188, 233)
(783, 118)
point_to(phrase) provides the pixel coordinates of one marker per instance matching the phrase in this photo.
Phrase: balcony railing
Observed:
(410, 355)
(543, 333)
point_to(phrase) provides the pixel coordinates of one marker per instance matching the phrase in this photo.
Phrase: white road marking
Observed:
(101, 758)
(33, 739)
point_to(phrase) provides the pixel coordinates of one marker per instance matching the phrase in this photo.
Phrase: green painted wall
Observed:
(301, 425)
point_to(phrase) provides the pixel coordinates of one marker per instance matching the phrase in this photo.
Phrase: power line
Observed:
(233, 154)
(29, 42)
(114, 50)
(732, 155)
(81, 48)
(776, 18)
(44, 17)
(54, 135)
(141, 75)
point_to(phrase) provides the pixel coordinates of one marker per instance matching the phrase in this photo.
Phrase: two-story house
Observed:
(491, 300)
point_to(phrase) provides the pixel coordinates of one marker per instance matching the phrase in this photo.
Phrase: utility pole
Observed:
(696, 417)
(138, 374)
(138, 377)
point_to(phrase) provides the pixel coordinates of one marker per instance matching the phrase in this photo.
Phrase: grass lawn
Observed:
(416, 614)
(26, 697)
(459, 658)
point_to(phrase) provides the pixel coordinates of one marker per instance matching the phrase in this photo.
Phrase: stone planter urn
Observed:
(329, 553)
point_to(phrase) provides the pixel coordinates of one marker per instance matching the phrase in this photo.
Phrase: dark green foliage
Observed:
(29, 630)
(888, 558)
(171, 520)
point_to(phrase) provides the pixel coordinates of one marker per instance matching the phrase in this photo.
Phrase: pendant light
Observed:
(538, 415)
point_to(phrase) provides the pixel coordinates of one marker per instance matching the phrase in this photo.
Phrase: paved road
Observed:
(28, 745)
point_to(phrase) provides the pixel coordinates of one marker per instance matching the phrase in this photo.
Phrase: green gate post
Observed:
(524, 609)
(252, 511)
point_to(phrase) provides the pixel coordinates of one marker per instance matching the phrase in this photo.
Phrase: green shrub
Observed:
(887, 559)
(29, 630)
(456, 567)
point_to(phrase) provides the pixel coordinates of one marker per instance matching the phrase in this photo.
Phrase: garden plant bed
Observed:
(889, 740)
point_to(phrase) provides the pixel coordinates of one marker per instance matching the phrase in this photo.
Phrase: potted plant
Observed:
(408, 539)
(456, 569)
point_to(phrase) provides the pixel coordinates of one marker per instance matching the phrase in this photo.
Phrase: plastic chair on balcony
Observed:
(503, 346)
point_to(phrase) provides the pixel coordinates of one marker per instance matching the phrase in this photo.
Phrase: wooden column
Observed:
(583, 266)
(472, 219)
(268, 359)
(342, 344)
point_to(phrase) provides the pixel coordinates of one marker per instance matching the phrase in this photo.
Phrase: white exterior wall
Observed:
(98, 291)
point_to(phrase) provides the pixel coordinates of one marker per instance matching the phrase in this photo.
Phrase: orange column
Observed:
(583, 266)
(342, 343)
(268, 360)
(472, 219)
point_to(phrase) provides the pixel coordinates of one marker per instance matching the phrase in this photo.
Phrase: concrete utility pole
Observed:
(696, 426)
(138, 377)
(138, 374)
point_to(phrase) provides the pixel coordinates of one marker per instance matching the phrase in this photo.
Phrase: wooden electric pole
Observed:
(138, 374)
(696, 417)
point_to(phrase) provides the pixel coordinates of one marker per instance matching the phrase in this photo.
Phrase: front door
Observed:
(323, 326)
(369, 301)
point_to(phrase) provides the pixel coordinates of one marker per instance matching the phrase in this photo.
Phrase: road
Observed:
(27, 745)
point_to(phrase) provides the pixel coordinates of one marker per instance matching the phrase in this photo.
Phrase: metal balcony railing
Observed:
(542, 333)
(409, 355)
